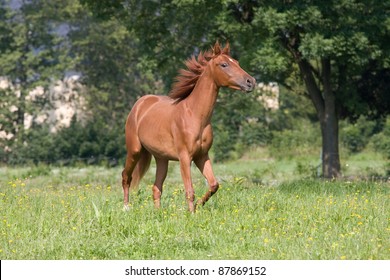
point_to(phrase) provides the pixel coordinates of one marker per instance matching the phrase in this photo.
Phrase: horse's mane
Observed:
(187, 78)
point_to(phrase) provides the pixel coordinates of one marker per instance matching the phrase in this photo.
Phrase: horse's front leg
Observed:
(185, 169)
(204, 165)
(161, 174)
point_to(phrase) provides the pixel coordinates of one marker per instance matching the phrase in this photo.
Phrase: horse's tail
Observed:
(140, 169)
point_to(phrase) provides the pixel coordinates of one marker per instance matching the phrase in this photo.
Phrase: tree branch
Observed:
(312, 87)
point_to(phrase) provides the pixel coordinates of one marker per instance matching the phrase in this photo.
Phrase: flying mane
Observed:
(187, 78)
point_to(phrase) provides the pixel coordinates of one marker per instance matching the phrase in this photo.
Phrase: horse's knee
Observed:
(124, 174)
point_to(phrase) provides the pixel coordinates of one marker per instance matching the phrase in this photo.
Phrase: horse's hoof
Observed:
(126, 208)
(192, 209)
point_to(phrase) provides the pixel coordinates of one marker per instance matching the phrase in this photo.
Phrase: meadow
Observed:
(265, 209)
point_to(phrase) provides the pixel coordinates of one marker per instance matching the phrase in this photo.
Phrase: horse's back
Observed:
(146, 103)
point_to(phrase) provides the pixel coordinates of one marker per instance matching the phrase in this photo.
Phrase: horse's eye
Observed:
(224, 65)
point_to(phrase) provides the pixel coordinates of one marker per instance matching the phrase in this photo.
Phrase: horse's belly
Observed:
(161, 148)
(156, 138)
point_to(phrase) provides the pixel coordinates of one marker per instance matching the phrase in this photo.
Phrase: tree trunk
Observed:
(325, 105)
(330, 147)
(329, 126)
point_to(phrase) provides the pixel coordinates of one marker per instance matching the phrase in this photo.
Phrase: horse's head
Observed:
(227, 71)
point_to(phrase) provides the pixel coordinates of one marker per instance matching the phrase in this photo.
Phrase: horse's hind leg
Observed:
(161, 174)
(131, 161)
(204, 165)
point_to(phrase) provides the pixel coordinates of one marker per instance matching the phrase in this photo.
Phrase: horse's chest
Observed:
(204, 140)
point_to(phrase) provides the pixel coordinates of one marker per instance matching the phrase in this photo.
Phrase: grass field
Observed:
(264, 210)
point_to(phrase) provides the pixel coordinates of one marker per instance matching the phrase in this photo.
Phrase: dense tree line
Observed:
(125, 49)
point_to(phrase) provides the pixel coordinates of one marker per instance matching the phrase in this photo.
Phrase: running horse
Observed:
(177, 127)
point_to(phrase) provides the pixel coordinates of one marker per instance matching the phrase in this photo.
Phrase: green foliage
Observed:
(381, 141)
(302, 139)
(356, 136)
(91, 141)
(327, 43)
(32, 54)
(273, 65)
(104, 53)
(124, 50)
(287, 32)
(163, 30)
(109, 59)
(308, 170)
(239, 123)
(88, 143)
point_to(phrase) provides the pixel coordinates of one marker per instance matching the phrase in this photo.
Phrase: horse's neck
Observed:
(202, 99)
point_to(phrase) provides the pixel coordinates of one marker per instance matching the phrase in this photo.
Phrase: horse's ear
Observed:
(226, 49)
(217, 49)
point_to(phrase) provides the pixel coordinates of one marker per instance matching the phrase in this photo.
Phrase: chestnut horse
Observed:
(177, 127)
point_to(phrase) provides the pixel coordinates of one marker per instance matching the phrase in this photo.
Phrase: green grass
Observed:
(71, 213)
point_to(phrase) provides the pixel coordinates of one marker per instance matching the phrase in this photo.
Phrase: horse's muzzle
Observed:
(249, 84)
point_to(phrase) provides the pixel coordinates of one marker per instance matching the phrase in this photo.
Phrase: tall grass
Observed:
(68, 213)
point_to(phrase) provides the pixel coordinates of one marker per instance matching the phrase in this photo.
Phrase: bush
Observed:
(223, 143)
(239, 123)
(254, 133)
(305, 138)
(94, 140)
(381, 141)
(37, 146)
(356, 136)
(88, 149)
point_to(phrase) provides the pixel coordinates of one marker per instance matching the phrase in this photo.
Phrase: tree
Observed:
(40, 41)
(167, 31)
(108, 58)
(31, 55)
(333, 45)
